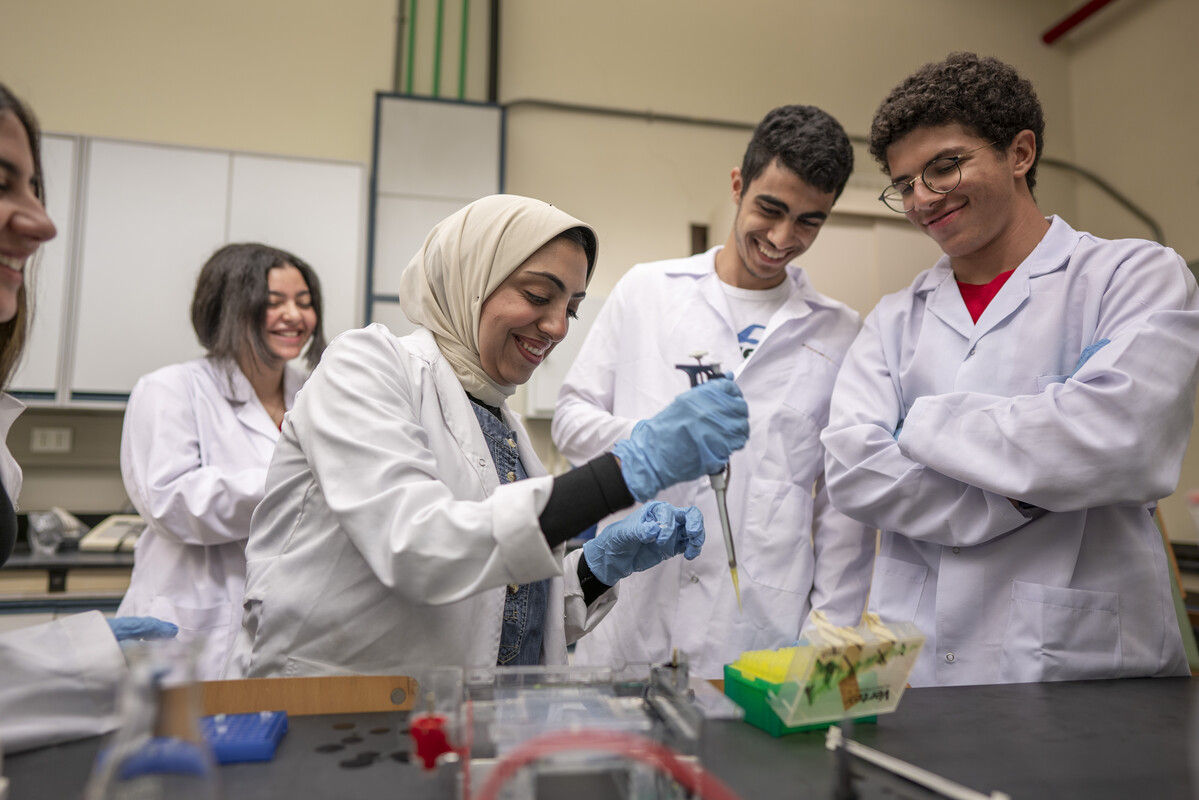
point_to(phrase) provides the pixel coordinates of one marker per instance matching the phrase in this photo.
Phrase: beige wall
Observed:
(298, 77)
(1133, 79)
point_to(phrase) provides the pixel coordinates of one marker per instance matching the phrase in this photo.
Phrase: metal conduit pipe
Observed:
(709, 122)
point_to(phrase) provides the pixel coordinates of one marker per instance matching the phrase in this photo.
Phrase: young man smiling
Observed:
(753, 312)
(1010, 420)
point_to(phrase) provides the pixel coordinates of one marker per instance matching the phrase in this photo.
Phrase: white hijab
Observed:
(463, 260)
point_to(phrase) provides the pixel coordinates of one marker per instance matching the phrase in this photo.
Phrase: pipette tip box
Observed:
(825, 679)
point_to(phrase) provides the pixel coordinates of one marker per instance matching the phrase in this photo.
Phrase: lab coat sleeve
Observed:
(359, 424)
(1114, 433)
(844, 555)
(180, 497)
(584, 425)
(59, 682)
(580, 617)
(872, 481)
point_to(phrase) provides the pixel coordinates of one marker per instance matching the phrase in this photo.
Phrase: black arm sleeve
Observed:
(8, 526)
(592, 586)
(582, 497)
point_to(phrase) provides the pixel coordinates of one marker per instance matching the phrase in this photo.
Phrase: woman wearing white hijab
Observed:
(397, 531)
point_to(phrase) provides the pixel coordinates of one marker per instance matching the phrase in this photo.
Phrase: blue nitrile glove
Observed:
(126, 628)
(1087, 352)
(648, 536)
(691, 437)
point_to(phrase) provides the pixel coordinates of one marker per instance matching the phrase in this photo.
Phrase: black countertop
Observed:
(1093, 739)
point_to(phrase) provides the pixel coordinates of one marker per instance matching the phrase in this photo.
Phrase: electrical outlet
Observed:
(50, 440)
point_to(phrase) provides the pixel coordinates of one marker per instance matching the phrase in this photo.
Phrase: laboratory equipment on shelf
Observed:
(698, 373)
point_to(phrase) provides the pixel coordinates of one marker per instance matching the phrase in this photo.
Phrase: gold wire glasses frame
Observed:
(946, 176)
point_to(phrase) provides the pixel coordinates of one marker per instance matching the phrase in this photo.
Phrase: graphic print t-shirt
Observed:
(752, 310)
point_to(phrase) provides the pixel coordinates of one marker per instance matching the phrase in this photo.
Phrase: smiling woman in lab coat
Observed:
(198, 437)
(397, 531)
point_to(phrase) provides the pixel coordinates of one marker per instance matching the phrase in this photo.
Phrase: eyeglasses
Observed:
(941, 175)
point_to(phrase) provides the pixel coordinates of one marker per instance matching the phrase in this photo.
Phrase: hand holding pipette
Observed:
(701, 374)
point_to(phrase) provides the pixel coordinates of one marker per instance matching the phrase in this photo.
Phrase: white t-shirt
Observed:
(752, 310)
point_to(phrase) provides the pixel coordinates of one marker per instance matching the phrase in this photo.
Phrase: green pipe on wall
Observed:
(437, 49)
(462, 50)
(411, 44)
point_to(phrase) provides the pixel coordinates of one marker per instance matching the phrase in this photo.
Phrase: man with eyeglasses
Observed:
(1010, 420)
(750, 309)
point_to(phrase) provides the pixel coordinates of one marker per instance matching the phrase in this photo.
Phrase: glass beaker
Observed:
(158, 752)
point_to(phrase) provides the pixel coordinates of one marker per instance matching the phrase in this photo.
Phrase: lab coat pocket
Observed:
(775, 547)
(1056, 634)
(896, 588)
(1044, 381)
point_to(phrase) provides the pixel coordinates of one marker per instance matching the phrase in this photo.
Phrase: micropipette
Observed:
(698, 373)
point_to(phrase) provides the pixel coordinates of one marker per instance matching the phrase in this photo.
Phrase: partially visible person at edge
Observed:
(59, 678)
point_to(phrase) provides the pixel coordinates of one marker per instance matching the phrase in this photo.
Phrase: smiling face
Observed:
(990, 221)
(530, 312)
(290, 317)
(778, 217)
(24, 224)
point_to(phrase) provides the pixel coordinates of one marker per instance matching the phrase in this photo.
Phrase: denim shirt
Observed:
(524, 605)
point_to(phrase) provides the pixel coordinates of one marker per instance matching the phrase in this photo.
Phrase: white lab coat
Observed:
(990, 411)
(58, 681)
(795, 551)
(194, 455)
(10, 471)
(385, 540)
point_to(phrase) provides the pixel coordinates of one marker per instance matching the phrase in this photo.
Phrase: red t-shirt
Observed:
(978, 297)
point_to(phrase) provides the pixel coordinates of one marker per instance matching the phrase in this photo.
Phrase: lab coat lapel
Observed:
(945, 300)
(1051, 254)
(714, 296)
(1006, 302)
(242, 399)
(460, 419)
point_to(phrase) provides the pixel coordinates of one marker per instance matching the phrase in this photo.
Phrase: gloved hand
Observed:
(126, 628)
(691, 437)
(648, 536)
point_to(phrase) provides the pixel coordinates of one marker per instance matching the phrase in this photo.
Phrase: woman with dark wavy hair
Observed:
(198, 437)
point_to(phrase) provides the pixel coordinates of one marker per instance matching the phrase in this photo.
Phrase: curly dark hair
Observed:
(981, 93)
(805, 140)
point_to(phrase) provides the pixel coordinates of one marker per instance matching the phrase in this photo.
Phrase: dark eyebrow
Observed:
(779, 205)
(554, 279)
(284, 294)
(773, 202)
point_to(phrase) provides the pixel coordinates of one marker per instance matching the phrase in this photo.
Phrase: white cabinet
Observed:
(119, 282)
(153, 216)
(432, 158)
(313, 209)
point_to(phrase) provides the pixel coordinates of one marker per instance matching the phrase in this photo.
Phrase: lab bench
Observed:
(1092, 739)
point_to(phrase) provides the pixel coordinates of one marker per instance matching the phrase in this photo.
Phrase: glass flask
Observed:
(158, 752)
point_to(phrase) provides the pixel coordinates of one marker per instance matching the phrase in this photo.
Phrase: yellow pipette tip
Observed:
(737, 589)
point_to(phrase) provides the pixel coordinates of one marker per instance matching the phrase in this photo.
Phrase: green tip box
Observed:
(833, 674)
